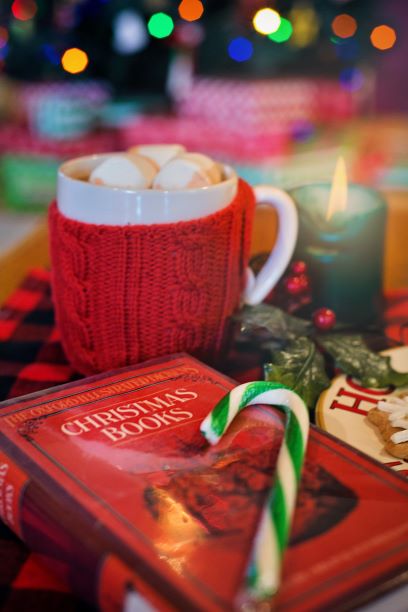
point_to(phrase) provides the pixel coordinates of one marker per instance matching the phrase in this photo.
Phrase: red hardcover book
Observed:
(110, 480)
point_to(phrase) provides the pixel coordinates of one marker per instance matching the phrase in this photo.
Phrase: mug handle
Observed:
(257, 287)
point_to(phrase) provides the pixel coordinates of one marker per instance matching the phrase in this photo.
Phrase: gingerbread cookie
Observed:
(391, 418)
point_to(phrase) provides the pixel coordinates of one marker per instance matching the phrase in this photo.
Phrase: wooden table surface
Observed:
(23, 245)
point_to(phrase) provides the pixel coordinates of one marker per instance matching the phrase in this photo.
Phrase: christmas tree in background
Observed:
(130, 43)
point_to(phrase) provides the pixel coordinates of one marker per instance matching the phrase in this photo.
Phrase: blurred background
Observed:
(279, 89)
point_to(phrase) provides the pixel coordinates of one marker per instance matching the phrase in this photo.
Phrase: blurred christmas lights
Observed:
(344, 26)
(160, 25)
(189, 34)
(24, 9)
(351, 79)
(305, 24)
(266, 21)
(129, 32)
(190, 10)
(283, 33)
(65, 16)
(3, 37)
(22, 29)
(51, 54)
(383, 37)
(4, 52)
(74, 60)
(345, 48)
(240, 49)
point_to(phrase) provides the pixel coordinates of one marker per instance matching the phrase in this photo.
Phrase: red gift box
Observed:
(18, 140)
(258, 103)
(230, 141)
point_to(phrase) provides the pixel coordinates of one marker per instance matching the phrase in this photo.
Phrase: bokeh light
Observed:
(65, 16)
(4, 52)
(52, 55)
(160, 25)
(22, 30)
(74, 60)
(240, 49)
(305, 24)
(189, 34)
(283, 33)
(266, 21)
(24, 9)
(383, 37)
(129, 32)
(3, 37)
(344, 26)
(190, 10)
(351, 79)
(346, 48)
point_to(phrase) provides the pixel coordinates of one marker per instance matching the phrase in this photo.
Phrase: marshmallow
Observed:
(209, 166)
(181, 173)
(125, 171)
(160, 154)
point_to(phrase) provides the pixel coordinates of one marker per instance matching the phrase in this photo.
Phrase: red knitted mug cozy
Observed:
(125, 294)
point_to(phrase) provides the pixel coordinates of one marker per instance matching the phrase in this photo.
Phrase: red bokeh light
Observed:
(24, 9)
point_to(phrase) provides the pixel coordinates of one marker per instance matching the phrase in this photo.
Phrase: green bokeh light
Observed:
(283, 33)
(160, 25)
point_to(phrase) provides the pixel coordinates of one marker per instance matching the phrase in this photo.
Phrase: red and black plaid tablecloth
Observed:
(31, 358)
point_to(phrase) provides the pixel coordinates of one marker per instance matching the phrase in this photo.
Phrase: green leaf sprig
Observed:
(301, 367)
(352, 356)
(296, 352)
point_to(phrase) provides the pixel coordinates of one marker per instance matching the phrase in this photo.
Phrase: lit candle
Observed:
(341, 238)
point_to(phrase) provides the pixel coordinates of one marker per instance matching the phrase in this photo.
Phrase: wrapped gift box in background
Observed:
(62, 111)
(258, 102)
(207, 137)
(29, 164)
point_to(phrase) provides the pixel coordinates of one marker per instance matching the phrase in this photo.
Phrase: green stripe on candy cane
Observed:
(263, 575)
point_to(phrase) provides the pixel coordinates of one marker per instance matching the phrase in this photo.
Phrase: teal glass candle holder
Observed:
(345, 253)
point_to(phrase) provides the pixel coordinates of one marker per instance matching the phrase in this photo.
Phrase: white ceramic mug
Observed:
(82, 201)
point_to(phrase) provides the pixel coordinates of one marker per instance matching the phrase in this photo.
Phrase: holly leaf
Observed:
(278, 324)
(353, 357)
(300, 366)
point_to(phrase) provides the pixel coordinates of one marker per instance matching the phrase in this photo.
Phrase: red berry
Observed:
(293, 285)
(304, 281)
(296, 284)
(324, 319)
(298, 267)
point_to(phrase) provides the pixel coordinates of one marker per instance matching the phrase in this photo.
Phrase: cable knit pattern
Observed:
(126, 294)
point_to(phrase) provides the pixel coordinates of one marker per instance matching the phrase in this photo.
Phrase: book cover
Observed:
(110, 480)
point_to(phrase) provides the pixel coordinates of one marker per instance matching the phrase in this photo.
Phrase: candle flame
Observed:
(338, 193)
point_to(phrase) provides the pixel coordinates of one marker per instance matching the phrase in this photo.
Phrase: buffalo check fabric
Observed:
(31, 358)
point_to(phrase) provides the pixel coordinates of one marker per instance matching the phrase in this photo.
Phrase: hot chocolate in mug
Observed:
(138, 274)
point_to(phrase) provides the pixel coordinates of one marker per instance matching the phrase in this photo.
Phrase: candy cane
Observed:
(263, 573)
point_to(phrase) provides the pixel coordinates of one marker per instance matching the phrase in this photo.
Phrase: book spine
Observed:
(13, 481)
(95, 575)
